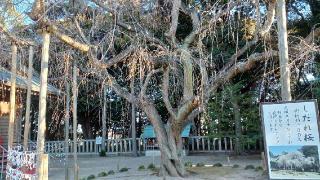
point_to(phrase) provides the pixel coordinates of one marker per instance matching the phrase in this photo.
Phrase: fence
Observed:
(113, 146)
(193, 144)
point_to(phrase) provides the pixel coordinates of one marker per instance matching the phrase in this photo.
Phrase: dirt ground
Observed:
(94, 165)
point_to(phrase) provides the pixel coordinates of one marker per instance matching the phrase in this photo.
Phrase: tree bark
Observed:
(237, 122)
(169, 140)
(283, 50)
(187, 74)
(28, 103)
(12, 96)
(67, 119)
(74, 116)
(104, 119)
(42, 103)
(133, 121)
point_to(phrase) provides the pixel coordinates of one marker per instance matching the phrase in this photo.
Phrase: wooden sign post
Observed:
(291, 135)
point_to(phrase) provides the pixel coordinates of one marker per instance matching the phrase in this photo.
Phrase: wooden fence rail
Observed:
(193, 144)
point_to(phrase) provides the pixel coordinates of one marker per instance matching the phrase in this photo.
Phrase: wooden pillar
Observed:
(28, 103)
(67, 118)
(133, 121)
(283, 50)
(45, 167)
(14, 49)
(42, 103)
(104, 119)
(74, 115)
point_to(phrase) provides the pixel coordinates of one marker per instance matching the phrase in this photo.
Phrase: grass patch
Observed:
(111, 172)
(200, 164)
(141, 168)
(102, 153)
(258, 168)
(151, 166)
(249, 167)
(91, 177)
(208, 171)
(123, 169)
(235, 166)
(102, 174)
(188, 164)
(217, 165)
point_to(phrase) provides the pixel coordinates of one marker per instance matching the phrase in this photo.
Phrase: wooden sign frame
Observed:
(266, 154)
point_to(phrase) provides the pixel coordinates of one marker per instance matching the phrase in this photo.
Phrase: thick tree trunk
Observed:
(237, 122)
(171, 153)
(169, 140)
(133, 122)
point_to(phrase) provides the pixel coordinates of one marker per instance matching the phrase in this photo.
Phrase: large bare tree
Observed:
(163, 45)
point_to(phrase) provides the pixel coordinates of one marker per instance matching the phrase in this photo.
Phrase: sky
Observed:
(277, 150)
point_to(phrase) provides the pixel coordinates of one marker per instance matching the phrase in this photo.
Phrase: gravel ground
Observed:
(94, 165)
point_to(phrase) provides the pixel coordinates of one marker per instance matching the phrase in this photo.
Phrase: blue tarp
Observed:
(148, 132)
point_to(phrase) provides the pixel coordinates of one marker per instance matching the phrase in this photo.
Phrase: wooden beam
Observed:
(42, 104)
(74, 116)
(12, 115)
(104, 118)
(283, 51)
(28, 103)
(67, 119)
(133, 121)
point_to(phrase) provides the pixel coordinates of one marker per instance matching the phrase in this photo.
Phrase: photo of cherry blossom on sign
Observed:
(294, 162)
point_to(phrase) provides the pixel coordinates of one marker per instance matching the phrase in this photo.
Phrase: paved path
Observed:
(94, 165)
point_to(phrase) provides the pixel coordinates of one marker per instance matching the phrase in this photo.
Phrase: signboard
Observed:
(291, 139)
(98, 140)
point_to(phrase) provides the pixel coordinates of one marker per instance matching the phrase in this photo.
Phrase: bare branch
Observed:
(185, 110)
(165, 92)
(195, 24)
(38, 9)
(229, 72)
(67, 39)
(80, 31)
(112, 82)
(15, 39)
(270, 18)
(176, 4)
(146, 82)
(259, 32)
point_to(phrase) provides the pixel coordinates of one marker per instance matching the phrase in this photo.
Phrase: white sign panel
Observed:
(292, 140)
(99, 140)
